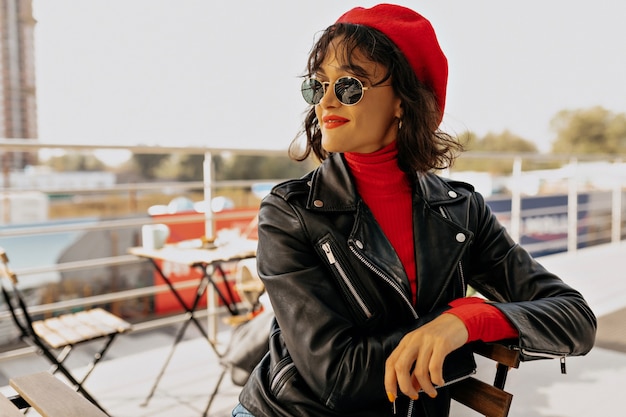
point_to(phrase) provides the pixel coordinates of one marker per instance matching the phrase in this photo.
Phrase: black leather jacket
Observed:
(342, 299)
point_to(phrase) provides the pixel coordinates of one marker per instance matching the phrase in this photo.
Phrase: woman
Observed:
(367, 259)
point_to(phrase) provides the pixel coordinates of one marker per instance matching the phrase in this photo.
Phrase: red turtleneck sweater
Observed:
(387, 192)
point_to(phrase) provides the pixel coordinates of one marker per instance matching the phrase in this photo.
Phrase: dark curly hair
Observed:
(421, 145)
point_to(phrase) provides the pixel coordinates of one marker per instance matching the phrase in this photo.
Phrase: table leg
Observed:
(178, 338)
(181, 331)
(170, 285)
(230, 303)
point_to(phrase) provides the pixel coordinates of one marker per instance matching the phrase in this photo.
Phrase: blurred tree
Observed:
(76, 162)
(241, 167)
(191, 168)
(505, 142)
(249, 167)
(585, 131)
(149, 163)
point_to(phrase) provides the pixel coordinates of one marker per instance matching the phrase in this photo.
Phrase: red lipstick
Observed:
(332, 121)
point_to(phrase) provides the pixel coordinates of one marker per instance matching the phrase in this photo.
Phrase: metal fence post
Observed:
(516, 199)
(572, 208)
(209, 233)
(616, 211)
(209, 224)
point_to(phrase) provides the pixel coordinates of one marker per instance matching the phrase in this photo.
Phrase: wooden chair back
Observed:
(490, 400)
(50, 398)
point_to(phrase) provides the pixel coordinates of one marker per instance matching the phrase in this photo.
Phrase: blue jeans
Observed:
(240, 411)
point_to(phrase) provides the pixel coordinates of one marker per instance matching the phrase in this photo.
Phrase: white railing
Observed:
(607, 225)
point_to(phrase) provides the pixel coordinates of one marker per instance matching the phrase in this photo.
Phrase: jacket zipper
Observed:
(560, 357)
(385, 278)
(397, 289)
(281, 376)
(344, 277)
(333, 261)
(455, 380)
(462, 278)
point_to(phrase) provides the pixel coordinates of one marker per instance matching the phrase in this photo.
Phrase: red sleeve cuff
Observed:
(466, 300)
(482, 320)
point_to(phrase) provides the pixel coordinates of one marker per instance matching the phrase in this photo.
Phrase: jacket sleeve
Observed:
(553, 319)
(323, 342)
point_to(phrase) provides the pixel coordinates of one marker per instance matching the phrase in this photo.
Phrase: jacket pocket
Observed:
(284, 380)
(284, 370)
(351, 287)
(281, 366)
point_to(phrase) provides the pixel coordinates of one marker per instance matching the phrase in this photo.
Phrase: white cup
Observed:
(153, 236)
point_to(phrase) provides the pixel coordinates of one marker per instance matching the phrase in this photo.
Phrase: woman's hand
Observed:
(426, 347)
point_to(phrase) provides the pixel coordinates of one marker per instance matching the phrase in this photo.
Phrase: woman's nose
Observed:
(329, 99)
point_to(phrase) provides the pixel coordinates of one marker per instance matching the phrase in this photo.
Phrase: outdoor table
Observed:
(209, 261)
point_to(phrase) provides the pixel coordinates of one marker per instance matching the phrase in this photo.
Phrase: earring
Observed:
(400, 124)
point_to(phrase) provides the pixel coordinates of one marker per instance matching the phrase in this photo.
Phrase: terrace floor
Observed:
(592, 386)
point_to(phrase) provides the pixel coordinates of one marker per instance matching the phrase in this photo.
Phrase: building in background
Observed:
(18, 107)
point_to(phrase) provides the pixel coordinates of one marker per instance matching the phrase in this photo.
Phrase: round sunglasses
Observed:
(348, 90)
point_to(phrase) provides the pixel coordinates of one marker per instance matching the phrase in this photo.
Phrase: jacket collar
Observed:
(436, 191)
(333, 189)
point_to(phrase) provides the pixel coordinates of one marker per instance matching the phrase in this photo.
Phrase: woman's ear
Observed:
(399, 111)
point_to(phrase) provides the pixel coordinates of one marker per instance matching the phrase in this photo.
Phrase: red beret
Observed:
(414, 36)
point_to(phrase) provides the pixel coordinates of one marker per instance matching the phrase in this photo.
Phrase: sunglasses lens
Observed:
(348, 90)
(312, 91)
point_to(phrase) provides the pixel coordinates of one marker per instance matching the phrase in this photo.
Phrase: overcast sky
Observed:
(226, 73)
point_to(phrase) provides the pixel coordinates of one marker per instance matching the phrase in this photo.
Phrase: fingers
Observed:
(422, 371)
(391, 381)
(408, 382)
(398, 373)
(436, 368)
(403, 371)
(417, 361)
